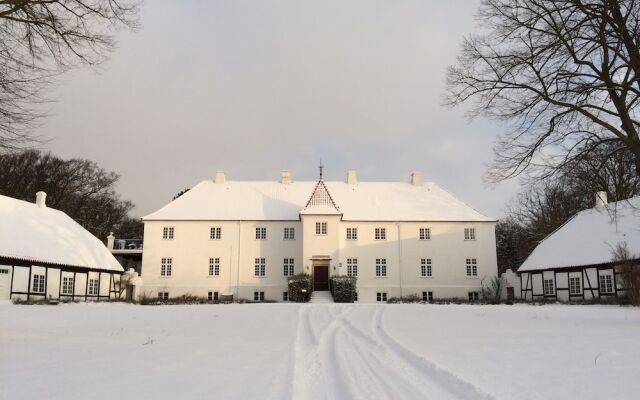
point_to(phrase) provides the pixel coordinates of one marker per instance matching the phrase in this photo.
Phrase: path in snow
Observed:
(336, 358)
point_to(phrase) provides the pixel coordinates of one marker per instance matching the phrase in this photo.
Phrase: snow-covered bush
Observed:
(343, 289)
(300, 288)
(412, 298)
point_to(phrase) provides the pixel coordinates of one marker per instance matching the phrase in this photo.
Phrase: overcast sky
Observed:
(254, 87)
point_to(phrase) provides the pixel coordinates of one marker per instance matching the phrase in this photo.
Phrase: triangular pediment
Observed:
(321, 201)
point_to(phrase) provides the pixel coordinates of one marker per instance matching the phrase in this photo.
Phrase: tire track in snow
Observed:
(335, 359)
(456, 386)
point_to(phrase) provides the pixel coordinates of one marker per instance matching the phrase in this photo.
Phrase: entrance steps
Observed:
(319, 297)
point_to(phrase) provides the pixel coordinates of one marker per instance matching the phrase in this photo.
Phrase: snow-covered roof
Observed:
(46, 235)
(364, 201)
(589, 238)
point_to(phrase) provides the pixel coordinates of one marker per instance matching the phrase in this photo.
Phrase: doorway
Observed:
(321, 277)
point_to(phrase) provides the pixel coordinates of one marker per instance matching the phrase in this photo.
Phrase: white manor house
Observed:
(244, 238)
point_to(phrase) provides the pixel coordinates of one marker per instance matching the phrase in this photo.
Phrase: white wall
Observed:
(53, 282)
(191, 249)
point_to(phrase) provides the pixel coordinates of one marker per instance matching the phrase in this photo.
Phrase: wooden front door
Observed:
(320, 277)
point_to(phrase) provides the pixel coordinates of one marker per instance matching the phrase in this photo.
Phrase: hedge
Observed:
(300, 288)
(343, 289)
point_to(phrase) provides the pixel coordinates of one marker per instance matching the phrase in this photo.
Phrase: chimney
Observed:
(352, 178)
(601, 199)
(41, 200)
(220, 178)
(285, 177)
(416, 178)
(110, 240)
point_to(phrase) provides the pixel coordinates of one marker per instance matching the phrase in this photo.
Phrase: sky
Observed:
(255, 87)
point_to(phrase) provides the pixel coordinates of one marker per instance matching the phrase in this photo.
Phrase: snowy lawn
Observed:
(282, 351)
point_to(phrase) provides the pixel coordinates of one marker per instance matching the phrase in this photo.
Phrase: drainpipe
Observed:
(238, 272)
(399, 258)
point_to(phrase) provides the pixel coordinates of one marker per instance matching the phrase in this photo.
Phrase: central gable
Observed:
(321, 201)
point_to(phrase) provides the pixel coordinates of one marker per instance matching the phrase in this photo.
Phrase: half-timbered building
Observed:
(45, 254)
(578, 260)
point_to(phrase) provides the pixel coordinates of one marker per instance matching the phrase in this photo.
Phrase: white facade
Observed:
(323, 216)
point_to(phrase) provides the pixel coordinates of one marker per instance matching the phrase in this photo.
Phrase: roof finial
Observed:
(320, 167)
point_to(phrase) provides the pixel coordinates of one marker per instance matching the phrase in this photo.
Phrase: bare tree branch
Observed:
(562, 75)
(40, 39)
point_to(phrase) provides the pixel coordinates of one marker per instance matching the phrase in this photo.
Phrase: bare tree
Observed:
(563, 75)
(39, 39)
(629, 272)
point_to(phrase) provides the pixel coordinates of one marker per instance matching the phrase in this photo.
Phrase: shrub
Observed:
(300, 288)
(412, 298)
(492, 291)
(343, 289)
(629, 269)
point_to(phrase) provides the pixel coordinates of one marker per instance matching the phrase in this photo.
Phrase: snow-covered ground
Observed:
(323, 351)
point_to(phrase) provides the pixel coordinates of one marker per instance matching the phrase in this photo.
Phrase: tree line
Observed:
(80, 188)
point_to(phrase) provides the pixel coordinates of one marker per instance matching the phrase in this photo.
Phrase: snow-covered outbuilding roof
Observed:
(39, 234)
(276, 201)
(589, 237)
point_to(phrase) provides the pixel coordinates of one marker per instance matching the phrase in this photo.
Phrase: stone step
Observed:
(321, 297)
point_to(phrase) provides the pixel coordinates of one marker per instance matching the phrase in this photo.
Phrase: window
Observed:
(167, 232)
(288, 267)
(215, 233)
(213, 296)
(289, 233)
(381, 296)
(381, 233)
(425, 233)
(258, 296)
(214, 266)
(261, 233)
(93, 287)
(427, 296)
(606, 284)
(548, 287)
(4, 271)
(163, 295)
(381, 267)
(356, 297)
(425, 267)
(260, 267)
(38, 284)
(472, 267)
(352, 267)
(321, 228)
(574, 285)
(469, 233)
(165, 266)
(352, 233)
(474, 296)
(67, 285)
(285, 296)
